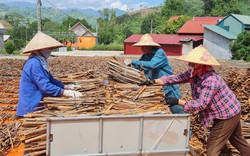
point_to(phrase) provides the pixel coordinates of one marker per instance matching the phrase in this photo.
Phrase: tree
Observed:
(208, 6)
(70, 22)
(194, 8)
(172, 8)
(50, 26)
(150, 24)
(240, 48)
(106, 26)
(18, 32)
(14, 19)
(225, 7)
(221, 7)
(173, 26)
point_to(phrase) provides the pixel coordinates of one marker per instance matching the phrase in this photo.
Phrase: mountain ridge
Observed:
(28, 10)
(34, 5)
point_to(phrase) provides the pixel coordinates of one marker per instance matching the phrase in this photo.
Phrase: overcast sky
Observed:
(125, 5)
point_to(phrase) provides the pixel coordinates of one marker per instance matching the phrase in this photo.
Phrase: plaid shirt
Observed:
(211, 96)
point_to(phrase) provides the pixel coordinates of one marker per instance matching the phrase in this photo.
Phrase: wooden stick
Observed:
(140, 91)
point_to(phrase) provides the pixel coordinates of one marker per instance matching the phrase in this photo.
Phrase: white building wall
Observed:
(2, 31)
(186, 47)
(1, 41)
(217, 45)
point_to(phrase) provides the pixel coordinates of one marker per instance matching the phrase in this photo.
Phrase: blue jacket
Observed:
(35, 84)
(155, 65)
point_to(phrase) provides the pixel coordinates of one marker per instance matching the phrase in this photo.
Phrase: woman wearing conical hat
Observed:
(36, 81)
(154, 62)
(216, 103)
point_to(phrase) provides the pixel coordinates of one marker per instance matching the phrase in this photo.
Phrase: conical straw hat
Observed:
(41, 41)
(146, 40)
(199, 55)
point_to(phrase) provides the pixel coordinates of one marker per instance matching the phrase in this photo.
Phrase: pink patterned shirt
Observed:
(211, 96)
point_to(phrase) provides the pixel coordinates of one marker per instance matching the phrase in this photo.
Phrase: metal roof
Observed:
(194, 27)
(207, 18)
(170, 39)
(220, 31)
(6, 37)
(245, 19)
(83, 31)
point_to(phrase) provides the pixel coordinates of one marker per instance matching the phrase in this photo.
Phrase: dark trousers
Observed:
(224, 130)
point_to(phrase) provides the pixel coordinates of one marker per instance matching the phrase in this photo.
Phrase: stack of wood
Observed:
(239, 82)
(8, 125)
(125, 74)
(8, 136)
(109, 99)
(33, 135)
(101, 96)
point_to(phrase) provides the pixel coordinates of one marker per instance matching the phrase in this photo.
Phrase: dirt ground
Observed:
(66, 63)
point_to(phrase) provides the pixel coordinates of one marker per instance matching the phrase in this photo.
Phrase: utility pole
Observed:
(151, 26)
(39, 4)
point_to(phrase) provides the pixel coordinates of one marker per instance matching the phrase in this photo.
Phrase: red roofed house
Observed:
(195, 26)
(207, 18)
(192, 27)
(189, 36)
(173, 45)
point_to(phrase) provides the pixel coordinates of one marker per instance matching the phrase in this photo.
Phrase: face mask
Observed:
(46, 52)
(191, 68)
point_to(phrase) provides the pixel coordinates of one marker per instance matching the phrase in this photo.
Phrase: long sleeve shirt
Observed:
(211, 96)
(155, 65)
(35, 83)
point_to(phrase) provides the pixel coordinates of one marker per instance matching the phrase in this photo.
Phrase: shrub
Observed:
(240, 47)
(9, 47)
(69, 48)
(2, 51)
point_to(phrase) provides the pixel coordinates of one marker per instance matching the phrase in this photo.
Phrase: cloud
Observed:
(119, 5)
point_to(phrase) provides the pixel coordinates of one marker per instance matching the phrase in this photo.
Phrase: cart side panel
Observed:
(154, 135)
(121, 135)
(164, 134)
(73, 137)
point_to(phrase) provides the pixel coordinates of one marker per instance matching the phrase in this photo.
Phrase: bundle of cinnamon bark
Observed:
(125, 74)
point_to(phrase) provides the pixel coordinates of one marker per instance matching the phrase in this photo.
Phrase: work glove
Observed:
(72, 93)
(172, 101)
(71, 86)
(127, 62)
(148, 82)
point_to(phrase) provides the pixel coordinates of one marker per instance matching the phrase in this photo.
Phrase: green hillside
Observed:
(50, 13)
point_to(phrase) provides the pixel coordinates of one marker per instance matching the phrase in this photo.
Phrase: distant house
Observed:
(195, 26)
(85, 38)
(218, 37)
(173, 45)
(208, 18)
(6, 38)
(2, 31)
